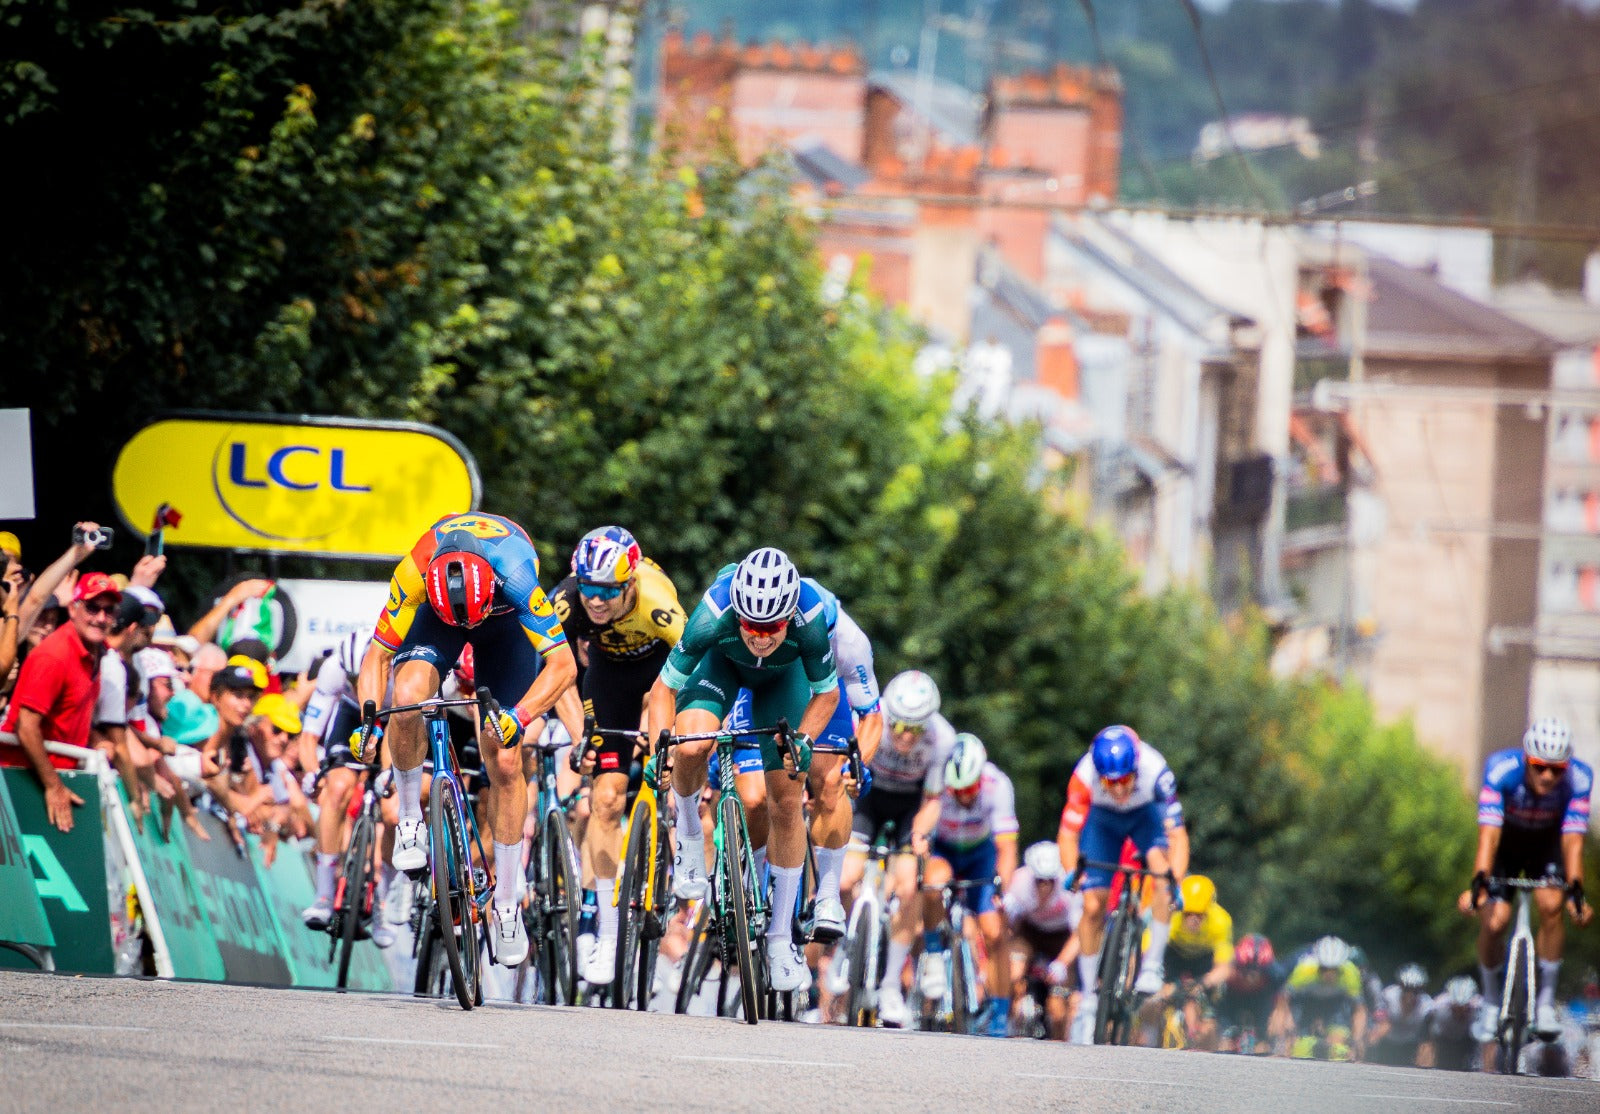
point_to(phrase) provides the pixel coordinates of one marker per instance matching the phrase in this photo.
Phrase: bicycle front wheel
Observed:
(863, 972)
(351, 903)
(697, 960)
(960, 953)
(1514, 1013)
(740, 904)
(1117, 958)
(454, 902)
(631, 911)
(560, 901)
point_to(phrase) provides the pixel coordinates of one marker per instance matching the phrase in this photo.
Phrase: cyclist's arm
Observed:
(1006, 861)
(819, 710)
(662, 704)
(1178, 850)
(1488, 844)
(699, 636)
(926, 819)
(376, 667)
(569, 710)
(869, 733)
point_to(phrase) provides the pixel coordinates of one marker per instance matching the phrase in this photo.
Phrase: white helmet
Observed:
(766, 586)
(964, 768)
(1412, 977)
(1330, 951)
(352, 648)
(911, 697)
(1548, 740)
(1043, 859)
(1461, 990)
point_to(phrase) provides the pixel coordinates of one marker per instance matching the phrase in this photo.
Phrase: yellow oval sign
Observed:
(325, 487)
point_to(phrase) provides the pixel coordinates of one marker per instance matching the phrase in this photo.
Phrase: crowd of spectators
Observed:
(93, 660)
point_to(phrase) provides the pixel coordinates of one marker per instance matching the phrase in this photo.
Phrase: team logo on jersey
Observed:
(476, 525)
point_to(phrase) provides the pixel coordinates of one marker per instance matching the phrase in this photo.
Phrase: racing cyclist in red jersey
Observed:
(479, 576)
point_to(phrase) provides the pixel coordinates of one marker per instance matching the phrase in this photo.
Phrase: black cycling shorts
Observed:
(1250, 1010)
(614, 692)
(1526, 852)
(342, 724)
(1045, 944)
(1195, 965)
(882, 806)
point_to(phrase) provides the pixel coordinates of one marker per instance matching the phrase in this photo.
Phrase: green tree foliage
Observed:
(411, 211)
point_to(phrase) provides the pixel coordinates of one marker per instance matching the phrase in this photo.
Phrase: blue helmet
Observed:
(607, 556)
(1116, 751)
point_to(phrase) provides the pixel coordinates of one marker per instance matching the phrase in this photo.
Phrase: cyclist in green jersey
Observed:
(757, 627)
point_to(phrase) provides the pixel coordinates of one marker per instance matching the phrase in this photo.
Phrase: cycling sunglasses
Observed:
(600, 591)
(901, 727)
(749, 626)
(1118, 782)
(1539, 767)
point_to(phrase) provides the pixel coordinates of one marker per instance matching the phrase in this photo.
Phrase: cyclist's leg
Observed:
(1149, 834)
(430, 648)
(935, 873)
(749, 779)
(702, 704)
(831, 813)
(332, 803)
(1100, 841)
(785, 696)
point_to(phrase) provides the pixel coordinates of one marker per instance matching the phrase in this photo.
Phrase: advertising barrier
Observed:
(68, 871)
(22, 916)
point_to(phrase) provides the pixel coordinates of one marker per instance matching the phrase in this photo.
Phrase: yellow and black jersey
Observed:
(653, 626)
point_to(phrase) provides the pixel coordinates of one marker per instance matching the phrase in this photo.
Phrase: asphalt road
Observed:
(70, 1044)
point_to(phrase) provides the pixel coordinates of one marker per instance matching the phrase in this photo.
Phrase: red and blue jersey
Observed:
(1507, 800)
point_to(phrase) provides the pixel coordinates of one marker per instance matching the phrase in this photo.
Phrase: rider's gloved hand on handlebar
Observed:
(1058, 973)
(308, 784)
(1577, 907)
(1075, 879)
(509, 724)
(360, 746)
(802, 750)
(1480, 888)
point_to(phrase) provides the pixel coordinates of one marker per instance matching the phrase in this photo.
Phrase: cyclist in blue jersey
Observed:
(478, 575)
(1533, 813)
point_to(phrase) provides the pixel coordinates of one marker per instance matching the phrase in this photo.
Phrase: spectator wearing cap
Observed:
(13, 586)
(182, 647)
(138, 611)
(281, 808)
(54, 581)
(56, 692)
(155, 680)
(234, 690)
(191, 717)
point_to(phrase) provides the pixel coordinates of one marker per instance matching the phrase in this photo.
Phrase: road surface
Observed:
(70, 1044)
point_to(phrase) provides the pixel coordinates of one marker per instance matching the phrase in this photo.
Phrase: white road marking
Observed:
(63, 1025)
(424, 1044)
(764, 1060)
(1427, 1098)
(1109, 1079)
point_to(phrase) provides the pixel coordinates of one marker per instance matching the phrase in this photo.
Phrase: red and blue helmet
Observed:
(608, 556)
(1115, 752)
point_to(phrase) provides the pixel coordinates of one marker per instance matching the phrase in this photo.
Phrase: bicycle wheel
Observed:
(351, 900)
(746, 952)
(1514, 1014)
(631, 911)
(697, 960)
(558, 903)
(656, 917)
(960, 1007)
(1110, 1023)
(863, 969)
(455, 908)
(433, 970)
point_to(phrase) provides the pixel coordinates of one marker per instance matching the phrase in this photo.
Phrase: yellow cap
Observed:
(9, 543)
(239, 668)
(276, 707)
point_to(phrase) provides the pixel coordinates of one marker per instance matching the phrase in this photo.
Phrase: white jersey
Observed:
(852, 649)
(1058, 913)
(1405, 1028)
(993, 812)
(111, 705)
(919, 770)
(333, 688)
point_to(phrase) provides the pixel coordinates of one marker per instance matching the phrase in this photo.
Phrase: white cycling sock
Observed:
(386, 873)
(898, 952)
(327, 875)
(830, 864)
(760, 860)
(785, 884)
(1089, 971)
(1154, 959)
(408, 793)
(688, 816)
(1491, 983)
(507, 871)
(605, 912)
(1549, 972)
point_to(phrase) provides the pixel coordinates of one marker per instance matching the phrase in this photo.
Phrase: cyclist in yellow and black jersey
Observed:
(627, 610)
(1200, 948)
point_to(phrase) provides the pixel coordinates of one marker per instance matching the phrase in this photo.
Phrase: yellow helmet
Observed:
(1198, 894)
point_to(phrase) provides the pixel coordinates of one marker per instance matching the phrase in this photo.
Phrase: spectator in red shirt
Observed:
(56, 692)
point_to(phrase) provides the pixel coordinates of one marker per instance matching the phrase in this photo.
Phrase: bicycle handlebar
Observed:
(1528, 883)
(581, 748)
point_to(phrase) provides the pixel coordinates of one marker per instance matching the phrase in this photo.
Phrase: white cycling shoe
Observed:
(510, 936)
(319, 913)
(380, 931)
(689, 870)
(410, 846)
(1545, 1021)
(601, 966)
(397, 906)
(1488, 1021)
(828, 923)
(931, 977)
(787, 965)
(893, 1013)
(1083, 1020)
(1149, 981)
(836, 973)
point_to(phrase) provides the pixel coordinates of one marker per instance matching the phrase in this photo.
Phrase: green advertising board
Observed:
(175, 893)
(68, 870)
(22, 917)
(237, 906)
(290, 885)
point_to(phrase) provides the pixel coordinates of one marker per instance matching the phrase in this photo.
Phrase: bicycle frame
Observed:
(1515, 1017)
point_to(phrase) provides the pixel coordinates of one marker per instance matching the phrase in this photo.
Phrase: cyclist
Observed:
(1533, 813)
(627, 610)
(479, 576)
(1325, 1001)
(1399, 1035)
(1453, 1030)
(1252, 999)
(1199, 948)
(1121, 789)
(973, 828)
(1042, 915)
(905, 773)
(758, 627)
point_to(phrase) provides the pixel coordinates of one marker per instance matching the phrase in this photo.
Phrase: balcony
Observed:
(1317, 507)
(1316, 362)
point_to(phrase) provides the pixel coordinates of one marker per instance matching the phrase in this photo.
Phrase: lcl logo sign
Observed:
(276, 472)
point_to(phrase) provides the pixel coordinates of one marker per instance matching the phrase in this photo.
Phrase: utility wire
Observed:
(1222, 107)
(1131, 136)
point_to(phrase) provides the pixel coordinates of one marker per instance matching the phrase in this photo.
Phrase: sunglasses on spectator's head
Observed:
(600, 591)
(750, 626)
(1539, 767)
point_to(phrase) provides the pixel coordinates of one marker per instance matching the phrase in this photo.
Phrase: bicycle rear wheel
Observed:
(697, 960)
(863, 973)
(350, 902)
(1514, 1014)
(560, 902)
(455, 905)
(631, 911)
(746, 952)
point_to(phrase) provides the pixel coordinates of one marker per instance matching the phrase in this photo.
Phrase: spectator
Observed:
(157, 680)
(206, 627)
(281, 807)
(182, 647)
(10, 546)
(191, 716)
(13, 586)
(137, 613)
(56, 580)
(234, 690)
(56, 691)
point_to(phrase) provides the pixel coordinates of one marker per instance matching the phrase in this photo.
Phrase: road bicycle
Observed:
(866, 937)
(1116, 1015)
(1521, 975)
(459, 889)
(955, 1011)
(555, 881)
(354, 893)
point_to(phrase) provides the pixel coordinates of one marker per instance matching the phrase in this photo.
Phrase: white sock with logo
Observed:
(785, 884)
(408, 793)
(1089, 971)
(1155, 958)
(898, 951)
(507, 871)
(688, 816)
(1549, 972)
(830, 864)
(605, 910)
(327, 875)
